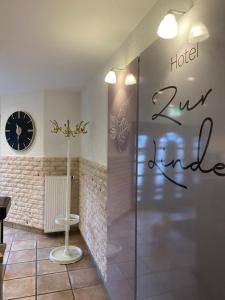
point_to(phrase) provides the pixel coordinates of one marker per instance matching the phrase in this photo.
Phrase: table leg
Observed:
(1, 231)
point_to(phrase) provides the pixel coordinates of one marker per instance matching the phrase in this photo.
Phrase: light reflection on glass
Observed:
(130, 79)
(178, 195)
(158, 197)
(191, 78)
(140, 168)
(139, 180)
(161, 156)
(196, 178)
(159, 179)
(174, 112)
(141, 158)
(198, 33)
(142, 143)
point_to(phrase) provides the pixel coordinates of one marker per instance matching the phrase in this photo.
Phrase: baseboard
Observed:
(33, 229)
(23, 227)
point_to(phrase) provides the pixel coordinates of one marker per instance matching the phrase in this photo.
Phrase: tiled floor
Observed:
(30, 275)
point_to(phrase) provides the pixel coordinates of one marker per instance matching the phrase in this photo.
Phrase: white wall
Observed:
(43, 107)
(32, 103)
(94, 110)
(60, 106)
(95, 94)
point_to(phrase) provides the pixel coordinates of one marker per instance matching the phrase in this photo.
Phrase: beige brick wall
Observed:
(23, 179)
(92, 207)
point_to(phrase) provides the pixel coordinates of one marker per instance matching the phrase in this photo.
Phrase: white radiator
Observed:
(55, 202)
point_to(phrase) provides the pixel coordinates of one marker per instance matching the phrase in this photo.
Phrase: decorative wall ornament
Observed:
(119, 131)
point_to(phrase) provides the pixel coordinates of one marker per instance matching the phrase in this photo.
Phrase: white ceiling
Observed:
(52, 44)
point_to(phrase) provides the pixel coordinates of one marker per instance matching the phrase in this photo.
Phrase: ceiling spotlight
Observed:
(130, 79)
(168, 27)
(110, 77)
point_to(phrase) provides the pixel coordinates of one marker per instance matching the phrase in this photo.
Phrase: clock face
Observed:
(20, 130)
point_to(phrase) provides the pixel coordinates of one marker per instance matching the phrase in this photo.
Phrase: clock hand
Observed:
(18, 130)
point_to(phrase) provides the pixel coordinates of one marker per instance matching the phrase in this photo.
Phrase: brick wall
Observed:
(92, 207)
(23, 179)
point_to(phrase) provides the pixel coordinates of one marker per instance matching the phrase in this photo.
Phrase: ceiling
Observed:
(59, 44)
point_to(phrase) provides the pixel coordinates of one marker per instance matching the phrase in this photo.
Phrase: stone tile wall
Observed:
(92, 208)
(23, 179)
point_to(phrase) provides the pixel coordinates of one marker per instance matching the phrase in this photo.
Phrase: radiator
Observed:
(55, 202)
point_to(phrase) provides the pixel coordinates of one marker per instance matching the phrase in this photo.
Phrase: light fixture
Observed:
(198, 33)
(110, 77)
(168, 27)
(130, 79)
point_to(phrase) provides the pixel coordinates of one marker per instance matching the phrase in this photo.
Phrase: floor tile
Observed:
(66, 295)
(142, 268)
(76, 239)
(8, 246)
(8, 230)
(177, 279)
(127, 268)
(22, 256)
(2, 270)
(52, 283)
(83, 248)
(27, 298)
(91, 293)
(43, 253)
(53, 280)
(85, 262)
(45, 243)
(20, 270)
(162, 297)
(149, 286)
(120, 290)
(23, 245)
(187, 293)
(5, 258)
(114, 273)
(8, 239)
(83, 278)
(8, 236)
(131, 281)
(19, 288)
(46, 267)
(26, 235)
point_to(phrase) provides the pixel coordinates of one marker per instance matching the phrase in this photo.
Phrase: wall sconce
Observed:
(168, 27)
(110, 77)
(198, 33)
(130, 79)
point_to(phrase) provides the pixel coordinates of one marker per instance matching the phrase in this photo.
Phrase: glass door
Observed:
(181, 162)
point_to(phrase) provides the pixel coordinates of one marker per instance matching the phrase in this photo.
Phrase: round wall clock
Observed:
(20, 130)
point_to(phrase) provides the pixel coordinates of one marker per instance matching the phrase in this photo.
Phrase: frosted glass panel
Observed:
(181, 161)
(121, 202)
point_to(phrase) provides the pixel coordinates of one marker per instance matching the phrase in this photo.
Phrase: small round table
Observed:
(66, 254)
